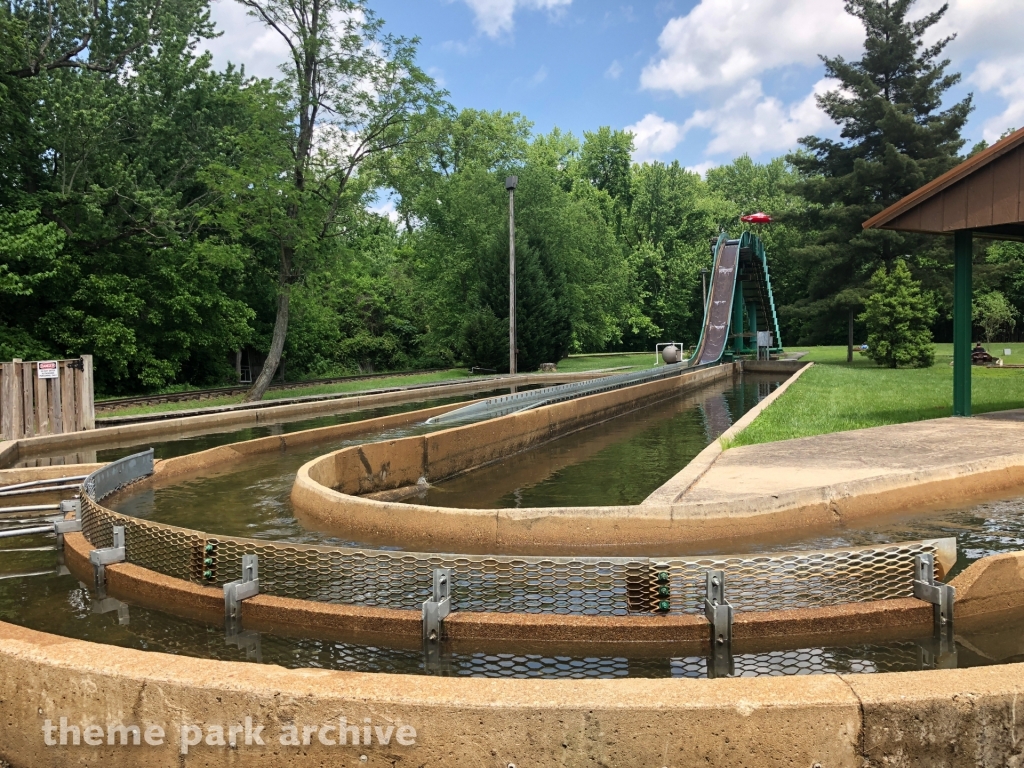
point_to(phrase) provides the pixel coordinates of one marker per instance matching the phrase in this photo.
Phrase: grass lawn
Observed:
(835, 395)
(316, 389)
(578, 363)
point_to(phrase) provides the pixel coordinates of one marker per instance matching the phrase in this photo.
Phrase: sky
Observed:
(698, 81)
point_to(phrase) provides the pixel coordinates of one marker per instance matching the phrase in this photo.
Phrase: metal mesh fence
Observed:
(901, 656)
(567, 585)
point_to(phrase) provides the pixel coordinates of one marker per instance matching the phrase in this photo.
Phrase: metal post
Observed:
(849, 339)
(752, 319)
(510, 184)
(435, 611)
(101, 558)
(963, 257)
(737, 319)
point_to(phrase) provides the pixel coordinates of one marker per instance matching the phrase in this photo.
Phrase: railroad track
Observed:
(207, 394)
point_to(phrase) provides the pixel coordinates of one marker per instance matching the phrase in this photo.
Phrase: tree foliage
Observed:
(898, 316)
(895, 137)
(163, 215)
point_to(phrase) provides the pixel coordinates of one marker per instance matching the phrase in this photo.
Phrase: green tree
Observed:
(672, 218)
(895, 137)
(111, 163)
(352, 91)
(605, 161)
(994, 314)
(572, 277)
(898, 316)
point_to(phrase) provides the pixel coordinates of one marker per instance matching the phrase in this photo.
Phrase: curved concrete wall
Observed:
(331, 491)
(942, 718)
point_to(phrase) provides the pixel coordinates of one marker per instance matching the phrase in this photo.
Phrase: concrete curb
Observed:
(948, 718)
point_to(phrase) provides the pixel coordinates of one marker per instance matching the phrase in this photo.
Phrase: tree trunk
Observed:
(849, 342)
(262, 383)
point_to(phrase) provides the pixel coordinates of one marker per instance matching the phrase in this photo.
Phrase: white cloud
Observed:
(495, 17)
(539, 76)
(721, 43)
(730, 44)
(1006, 77)
(701, 169)
(984, 28)
(614, 70)
(653, 136)
(989, 31)
(751, 122)
(385, 207)
(245, 41)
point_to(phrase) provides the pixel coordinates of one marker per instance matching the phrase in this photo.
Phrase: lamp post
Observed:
(510, 184)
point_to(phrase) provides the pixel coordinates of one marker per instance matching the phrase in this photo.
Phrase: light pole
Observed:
(510, 184)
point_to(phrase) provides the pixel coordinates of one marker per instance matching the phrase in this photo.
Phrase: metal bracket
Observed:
(435, 611)
(74, 525)
(940, 595)
(237, 591)
(719, 614)
(101, 558)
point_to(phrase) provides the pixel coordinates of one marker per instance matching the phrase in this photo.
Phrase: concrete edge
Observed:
(673, 490)
(14, 450)
(953, 718)
(458, 722)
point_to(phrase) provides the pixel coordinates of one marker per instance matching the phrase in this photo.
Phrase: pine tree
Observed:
(898, 316)
(895, 137)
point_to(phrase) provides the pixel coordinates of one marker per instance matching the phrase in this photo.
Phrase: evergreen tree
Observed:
(895, 137)
(898, 316)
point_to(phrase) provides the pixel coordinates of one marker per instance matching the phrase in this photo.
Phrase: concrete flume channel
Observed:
(59, 605)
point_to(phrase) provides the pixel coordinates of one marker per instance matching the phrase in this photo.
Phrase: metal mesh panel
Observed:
(903, 656)
(594, 586)
(117, 474)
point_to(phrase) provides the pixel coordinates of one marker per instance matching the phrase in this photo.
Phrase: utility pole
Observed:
(510, 184)
(849, 341)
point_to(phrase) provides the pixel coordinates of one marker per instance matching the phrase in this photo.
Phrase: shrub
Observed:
(898, 316)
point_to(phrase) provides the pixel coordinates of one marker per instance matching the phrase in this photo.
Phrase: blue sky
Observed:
(700, 81)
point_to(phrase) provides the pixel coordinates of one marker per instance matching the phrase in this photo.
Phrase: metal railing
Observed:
(524, 401)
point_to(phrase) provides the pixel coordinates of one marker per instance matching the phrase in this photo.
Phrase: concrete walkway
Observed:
(983, 454)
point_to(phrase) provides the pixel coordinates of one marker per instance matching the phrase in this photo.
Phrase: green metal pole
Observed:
(737, 319)
(752, 320)
(963, 256)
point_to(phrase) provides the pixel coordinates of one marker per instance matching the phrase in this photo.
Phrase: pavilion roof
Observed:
(985, 193)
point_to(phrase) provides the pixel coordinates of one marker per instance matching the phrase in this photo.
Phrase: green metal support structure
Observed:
(963, 255)
(739, 302)
(737, 319)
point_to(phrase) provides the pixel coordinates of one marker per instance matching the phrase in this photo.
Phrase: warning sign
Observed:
(48, 369)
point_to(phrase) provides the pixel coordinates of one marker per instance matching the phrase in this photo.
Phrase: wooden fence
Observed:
(56, 401)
